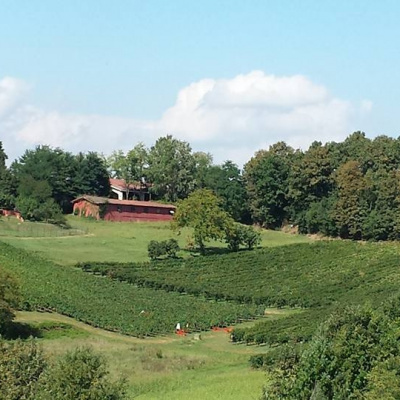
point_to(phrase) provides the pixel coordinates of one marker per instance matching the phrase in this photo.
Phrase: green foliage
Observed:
(21, 366)
(319, 218)
(158, 249)
(80, 375)
(53, 173)
(9, 299)
(202, 211)
(33, 209)
(110, 304)
(227, 183)
(172, 168)
(7, 184)
(238, 235)
(266, 176)
(91, 175)
(351, 352)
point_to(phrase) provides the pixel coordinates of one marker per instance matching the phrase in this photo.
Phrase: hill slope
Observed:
(317, 277)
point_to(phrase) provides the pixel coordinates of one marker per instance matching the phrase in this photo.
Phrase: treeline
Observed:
(42, 183)
(349, 189)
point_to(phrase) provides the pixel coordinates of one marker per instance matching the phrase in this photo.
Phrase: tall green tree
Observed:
(91, 175)
(7, 183)
(55, 166)
(266, 176)
(172, 168)
(348, 211)
(227, 182)
(202, 212)
(310, 179)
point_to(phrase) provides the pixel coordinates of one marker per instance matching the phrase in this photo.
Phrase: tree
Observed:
(202, 212)
(266, 176)
(35, 202)
(9, 300)
(346, 359)
(54, 166)
(172, 168)
(227, 182)
(238, 235)
(203, 163)
(91, 175)
(310, 179)
(348, 211)
(7, 183)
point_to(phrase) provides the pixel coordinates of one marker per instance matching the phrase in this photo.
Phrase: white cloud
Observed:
(11, 93)
(231, 118)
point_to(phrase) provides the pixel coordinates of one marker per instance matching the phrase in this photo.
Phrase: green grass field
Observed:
(162, 368)
(107, 241)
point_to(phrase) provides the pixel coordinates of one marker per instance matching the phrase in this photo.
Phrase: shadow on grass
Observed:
(18, 330)
(211, 251)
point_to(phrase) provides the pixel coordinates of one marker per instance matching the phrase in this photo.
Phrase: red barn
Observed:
(122, 210)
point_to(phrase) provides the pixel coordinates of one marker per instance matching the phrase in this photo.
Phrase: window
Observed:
(158, 210)
(145, 210)
(119, 208)
(133, 209)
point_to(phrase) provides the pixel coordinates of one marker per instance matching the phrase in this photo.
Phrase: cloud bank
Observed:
(230, 118)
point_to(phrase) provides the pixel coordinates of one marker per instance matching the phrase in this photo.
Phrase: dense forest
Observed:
(349, 189)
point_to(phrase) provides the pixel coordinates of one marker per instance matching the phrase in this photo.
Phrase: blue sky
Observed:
(77, 73)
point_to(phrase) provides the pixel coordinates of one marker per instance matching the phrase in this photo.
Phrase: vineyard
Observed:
(111, 304)
(315, 277)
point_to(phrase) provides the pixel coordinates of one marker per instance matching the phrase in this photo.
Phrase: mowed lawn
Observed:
(107, 241)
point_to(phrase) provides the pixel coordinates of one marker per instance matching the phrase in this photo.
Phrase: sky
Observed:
(230, 77)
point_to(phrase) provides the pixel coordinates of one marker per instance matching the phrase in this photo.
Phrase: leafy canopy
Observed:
(202, 212)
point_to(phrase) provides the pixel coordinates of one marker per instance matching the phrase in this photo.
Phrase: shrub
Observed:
(171, 247)
(167, 248)
(21, 366)
(80, 374)
(353, 346)
(9, 299)
(238, 234)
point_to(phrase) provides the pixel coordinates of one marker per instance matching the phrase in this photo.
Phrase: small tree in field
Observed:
(202, 212)
(251, 237)
(238, 234)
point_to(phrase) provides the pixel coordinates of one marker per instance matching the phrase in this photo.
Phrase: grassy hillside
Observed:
(107, 241)
(317, 277)
(170, 367)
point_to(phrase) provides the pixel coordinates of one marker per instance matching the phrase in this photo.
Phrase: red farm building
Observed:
(122, 210)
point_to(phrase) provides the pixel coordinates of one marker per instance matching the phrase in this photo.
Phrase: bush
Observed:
(348, 355)
(80, 375)
(171, 247)
(34, 210)
(167, 248)
(239, 234)
(21, 366)
(9, 299)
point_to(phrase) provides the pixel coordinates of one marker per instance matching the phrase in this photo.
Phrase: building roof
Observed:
(120, 184)
(105, 200)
